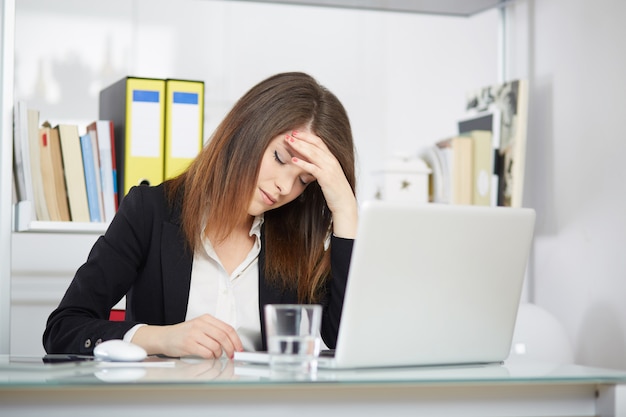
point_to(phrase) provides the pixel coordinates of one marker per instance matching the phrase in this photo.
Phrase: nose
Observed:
(284, 184)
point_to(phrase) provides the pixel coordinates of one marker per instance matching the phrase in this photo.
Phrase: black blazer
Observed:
(143, 255)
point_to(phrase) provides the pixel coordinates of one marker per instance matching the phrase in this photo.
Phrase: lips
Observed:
(268, 199)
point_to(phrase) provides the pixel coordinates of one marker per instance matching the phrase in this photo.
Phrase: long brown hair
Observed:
(219, 183)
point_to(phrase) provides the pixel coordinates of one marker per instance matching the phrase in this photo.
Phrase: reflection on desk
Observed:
(196, 387)
(196, 370)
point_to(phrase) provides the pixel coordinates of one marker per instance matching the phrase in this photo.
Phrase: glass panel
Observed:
(225, 372)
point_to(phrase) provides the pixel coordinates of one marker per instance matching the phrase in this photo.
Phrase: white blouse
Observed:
(232, 298)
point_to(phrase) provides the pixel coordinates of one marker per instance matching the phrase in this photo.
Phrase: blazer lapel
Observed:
(176, 267)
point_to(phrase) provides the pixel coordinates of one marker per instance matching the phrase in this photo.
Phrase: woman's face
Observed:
(280, 181)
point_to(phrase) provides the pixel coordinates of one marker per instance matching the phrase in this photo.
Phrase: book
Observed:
(431, 156)
(443, 155)
(97, 170)
(488, 121)
(59, 174)
(91, 178)
(462, 170)
(114, 165)
(457, 161)
(136, 106)
(102, 130)
(47, 171)
(74, 172)
(41, 208)
(184, 120)
(510, 99)
(21, 163)
(14, 199)
(482, 169)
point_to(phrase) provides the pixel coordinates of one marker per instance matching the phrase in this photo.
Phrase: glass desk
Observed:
(189, 387)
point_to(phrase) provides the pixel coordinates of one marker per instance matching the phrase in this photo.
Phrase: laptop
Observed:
(431, 284)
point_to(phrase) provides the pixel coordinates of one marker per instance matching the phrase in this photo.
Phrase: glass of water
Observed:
(293, 336)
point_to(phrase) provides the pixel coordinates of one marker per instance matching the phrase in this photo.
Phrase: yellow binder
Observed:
(184, 121)
(136, 106)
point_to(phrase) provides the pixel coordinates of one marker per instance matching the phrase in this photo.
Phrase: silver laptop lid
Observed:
(433, 284)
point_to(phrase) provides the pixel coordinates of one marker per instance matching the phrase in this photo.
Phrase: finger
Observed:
(223, 334)
(210, 345)
(309, 167)
(229, 337)
(320, 164)
(311, 153)
(207, 348)
(310, 138)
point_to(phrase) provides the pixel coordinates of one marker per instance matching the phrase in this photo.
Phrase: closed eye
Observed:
(307, 179)
(303, 180)
(277, 158)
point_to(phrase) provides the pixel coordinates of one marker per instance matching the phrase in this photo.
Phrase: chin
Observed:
(256, 210)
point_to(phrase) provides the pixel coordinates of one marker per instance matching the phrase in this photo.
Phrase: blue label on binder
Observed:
(186, 98)
(146, 96)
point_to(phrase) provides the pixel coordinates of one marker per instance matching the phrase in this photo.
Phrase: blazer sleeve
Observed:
(81, 320)
(341, 252)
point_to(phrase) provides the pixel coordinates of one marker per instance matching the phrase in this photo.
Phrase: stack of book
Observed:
(484, 163)
(62, 174)
(148, 130)
(461, 167)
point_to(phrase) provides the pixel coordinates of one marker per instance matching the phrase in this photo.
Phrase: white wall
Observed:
(575, 171)
(402, 78)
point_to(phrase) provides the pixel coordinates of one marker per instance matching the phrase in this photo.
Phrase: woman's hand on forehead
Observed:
(317, 159)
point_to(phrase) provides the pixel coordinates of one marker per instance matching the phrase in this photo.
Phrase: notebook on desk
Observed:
(48, 365)
(431, 285)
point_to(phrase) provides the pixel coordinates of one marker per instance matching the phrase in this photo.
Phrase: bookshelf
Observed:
(462, 8)
(65, 227)
(7, 26)
(454, 8)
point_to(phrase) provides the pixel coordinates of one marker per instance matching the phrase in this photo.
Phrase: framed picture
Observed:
(507, 103)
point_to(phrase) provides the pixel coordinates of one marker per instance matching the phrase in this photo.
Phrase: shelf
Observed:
(64, 227)
(22, 215)
(464, 8)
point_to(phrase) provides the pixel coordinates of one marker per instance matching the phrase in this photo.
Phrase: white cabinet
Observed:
(43, 265)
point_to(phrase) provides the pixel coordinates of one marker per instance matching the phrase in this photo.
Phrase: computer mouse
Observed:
(117, 350)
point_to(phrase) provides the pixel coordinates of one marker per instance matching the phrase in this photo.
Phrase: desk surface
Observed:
(228, 373)
(220, 387)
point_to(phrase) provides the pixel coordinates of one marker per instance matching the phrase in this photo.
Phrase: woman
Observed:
(265, 214)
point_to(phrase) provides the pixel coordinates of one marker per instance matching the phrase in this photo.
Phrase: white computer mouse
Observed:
(117, 350)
